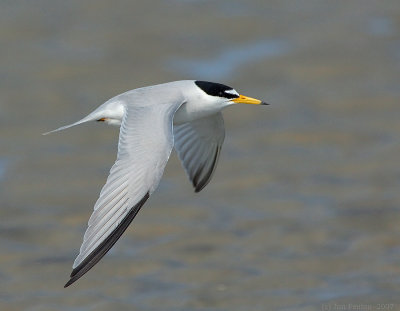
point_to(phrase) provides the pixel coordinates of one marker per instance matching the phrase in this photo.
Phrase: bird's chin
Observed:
(229, 103)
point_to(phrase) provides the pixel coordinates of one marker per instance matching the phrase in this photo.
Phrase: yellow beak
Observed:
(248, 100)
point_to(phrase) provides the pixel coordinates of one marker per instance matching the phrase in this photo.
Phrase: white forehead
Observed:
(233, 92)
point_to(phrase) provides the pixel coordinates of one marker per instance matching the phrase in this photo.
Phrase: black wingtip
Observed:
(74, 276)
(199, 185)
(94, 257)
(70, 281)
(197, 190)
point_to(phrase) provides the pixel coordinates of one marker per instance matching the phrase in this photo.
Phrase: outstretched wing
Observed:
(145, 144)
(198, 144)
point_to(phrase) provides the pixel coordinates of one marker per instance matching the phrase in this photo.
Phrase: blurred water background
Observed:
(303, 212)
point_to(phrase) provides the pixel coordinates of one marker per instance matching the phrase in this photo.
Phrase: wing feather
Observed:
(145, 144)
(198, 144)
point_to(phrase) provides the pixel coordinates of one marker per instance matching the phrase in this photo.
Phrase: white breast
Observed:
(196, 109)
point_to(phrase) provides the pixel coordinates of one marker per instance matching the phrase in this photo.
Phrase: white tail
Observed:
(88, 118)
(111, 110)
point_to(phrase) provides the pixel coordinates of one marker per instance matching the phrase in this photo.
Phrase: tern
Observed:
(154, 119)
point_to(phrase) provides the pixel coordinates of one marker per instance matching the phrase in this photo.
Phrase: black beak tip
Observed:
(264, 103)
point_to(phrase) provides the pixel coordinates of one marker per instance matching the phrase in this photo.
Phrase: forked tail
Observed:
(90, 117)
(111, 112)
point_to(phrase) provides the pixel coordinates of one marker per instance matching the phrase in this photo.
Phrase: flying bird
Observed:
(154, 119)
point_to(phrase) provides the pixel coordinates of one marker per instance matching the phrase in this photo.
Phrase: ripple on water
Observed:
(3, 168)
(381, 26)
(230, 59)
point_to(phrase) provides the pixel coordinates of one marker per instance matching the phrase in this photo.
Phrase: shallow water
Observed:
(3, 168)
(231, 59)
(303, 212)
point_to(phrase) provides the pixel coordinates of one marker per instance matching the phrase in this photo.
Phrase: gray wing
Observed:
(145, 144)
(198, 144)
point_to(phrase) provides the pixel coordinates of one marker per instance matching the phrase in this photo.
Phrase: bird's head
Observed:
(226, 95)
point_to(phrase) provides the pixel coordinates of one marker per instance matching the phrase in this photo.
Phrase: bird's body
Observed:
(154, 119)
